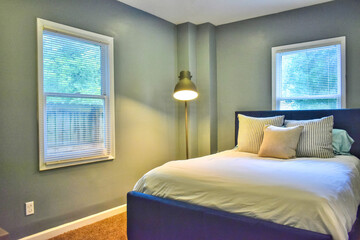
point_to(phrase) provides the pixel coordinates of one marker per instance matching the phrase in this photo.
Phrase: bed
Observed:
(154, 217)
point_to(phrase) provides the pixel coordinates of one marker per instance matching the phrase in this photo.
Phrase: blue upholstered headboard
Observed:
(348, 119)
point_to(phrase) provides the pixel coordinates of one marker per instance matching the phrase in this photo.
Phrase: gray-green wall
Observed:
(197, 53)
(146, 116)
(244, 56)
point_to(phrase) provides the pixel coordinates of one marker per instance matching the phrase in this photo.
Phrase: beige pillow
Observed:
(280, 142)
(251, 131)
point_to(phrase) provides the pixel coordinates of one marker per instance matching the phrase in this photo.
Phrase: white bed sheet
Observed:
(320, 195)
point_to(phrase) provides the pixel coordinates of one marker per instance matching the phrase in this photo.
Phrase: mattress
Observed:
(315, 194)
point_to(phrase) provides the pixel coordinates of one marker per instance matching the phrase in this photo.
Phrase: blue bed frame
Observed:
(155, 218)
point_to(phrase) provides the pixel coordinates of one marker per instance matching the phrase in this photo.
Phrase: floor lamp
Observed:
(185, 90)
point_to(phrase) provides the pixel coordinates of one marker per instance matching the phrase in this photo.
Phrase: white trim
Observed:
(73, 95)
(40, 92)
(53, 232)
(75, 32)
(111, 92)
(312, 44)
(343, 72)
(307, 45)
(107, 46)
(333, 96)
(273, 78)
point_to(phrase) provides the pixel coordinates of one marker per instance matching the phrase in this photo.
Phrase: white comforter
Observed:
(320, 195)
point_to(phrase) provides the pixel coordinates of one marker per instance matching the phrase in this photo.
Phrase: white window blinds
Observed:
(309, 78)
(76, 113)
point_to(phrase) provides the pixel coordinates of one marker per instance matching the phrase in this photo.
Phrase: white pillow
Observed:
(316, 138)
(251, 131)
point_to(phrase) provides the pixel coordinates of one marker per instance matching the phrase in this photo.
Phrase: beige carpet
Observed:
(113, 228)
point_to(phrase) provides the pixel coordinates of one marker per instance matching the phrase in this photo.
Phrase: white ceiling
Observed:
(216, 12)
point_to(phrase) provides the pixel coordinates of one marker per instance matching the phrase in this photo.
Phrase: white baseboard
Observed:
(52, 232)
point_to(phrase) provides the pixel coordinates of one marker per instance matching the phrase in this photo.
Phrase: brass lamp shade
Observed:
(185, 89)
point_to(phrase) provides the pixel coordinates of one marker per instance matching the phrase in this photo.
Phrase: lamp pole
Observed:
(185, 90)
(186, 130)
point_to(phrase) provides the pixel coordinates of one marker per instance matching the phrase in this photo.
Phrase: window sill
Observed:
(48, 166)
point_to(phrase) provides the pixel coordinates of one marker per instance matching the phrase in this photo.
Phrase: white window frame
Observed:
(106, 41)
(276, 79)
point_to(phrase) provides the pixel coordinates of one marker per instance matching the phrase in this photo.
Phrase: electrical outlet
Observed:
(29, 208)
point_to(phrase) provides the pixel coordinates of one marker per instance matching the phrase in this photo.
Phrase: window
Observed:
(309, 75)
(75, 95)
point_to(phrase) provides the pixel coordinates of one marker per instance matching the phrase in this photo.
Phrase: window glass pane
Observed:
(71, 65)
(311, 72)
(74, 128)
(306, 104)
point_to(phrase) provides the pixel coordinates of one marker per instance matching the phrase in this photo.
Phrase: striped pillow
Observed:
(251, 131)
(316, 138)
